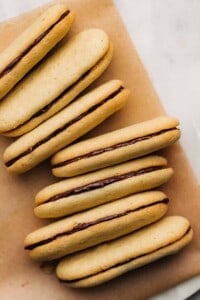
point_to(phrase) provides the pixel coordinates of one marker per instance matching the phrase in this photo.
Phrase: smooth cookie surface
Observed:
(96, 225)
(33, 44)
(55, 82)
(104, 262)
(115, 147)
(66, 126)
(82, 192)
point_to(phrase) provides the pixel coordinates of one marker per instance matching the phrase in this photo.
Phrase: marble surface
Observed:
(167, 37)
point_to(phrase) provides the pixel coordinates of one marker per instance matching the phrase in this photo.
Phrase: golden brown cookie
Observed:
(55, 82)
(33, 44)
(65, 127)
(82, 192)
(94, 226)
(115, 147)
(109, 260)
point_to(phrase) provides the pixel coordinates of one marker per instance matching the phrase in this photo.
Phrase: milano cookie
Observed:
(104, 262)
(115, 147)
(96, 225)
(82, 192)
(56, 82)
(33, 44)
(66, 126)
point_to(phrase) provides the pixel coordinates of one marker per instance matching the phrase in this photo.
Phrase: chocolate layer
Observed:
(126, 261)
(64, 127)
(102, 183)
(111, 148)
(57, 99)
(82, 226)
(16, 60)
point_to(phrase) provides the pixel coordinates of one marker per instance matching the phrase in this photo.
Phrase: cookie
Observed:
(33, 44)
(115, 147)
(82, 192)
(94, 226)
(109, 260)
(65, 127)
(56, 82)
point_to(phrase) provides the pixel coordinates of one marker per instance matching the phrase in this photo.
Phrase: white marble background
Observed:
(166, 34)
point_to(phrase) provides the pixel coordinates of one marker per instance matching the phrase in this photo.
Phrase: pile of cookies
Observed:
(113, 219)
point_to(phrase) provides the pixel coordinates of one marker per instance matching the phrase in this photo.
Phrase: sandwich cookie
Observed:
(96, 225)
(109, 260)
(66, 126)
(115, 147)
(82, 192)
(56, 82)
(33, 44)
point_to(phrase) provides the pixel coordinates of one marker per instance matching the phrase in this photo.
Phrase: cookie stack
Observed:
(110, 215)
(112, 219)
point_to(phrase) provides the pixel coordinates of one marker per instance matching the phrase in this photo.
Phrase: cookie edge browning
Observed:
(80, 202)
(103, 140)
(54, 210)
(100, 278)
(149, 207)
(170, 250)
(119, 156)
(39, 51)
(95, 38)
(76, 90)
(60, 186)
(115, 156)
(93, 119)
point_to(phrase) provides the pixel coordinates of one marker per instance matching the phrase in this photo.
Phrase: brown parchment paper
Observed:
(20, 278)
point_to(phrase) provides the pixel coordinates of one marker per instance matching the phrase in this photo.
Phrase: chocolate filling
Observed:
(126, 261)
(16, 60)
(52, 103)
(82, 226)
(111, 148)
(64, 127)
(102, 183)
